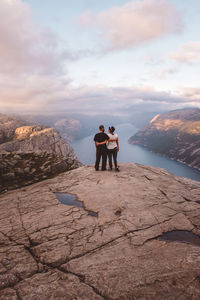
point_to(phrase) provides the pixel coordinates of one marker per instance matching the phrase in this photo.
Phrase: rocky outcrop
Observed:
(33, 154)
(55, 251)
(175, 134)
(37, 138)
(70, 129)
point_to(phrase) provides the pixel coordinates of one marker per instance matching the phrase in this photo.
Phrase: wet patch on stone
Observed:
(118, 213)
(92, 213)
(71, 200)
(183, 236)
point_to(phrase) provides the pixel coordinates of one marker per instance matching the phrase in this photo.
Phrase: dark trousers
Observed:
(101, 153)
(112, 153)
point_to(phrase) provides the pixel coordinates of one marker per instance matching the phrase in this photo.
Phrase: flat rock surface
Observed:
(53, 251)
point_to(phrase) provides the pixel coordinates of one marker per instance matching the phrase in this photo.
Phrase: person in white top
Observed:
(113, 147)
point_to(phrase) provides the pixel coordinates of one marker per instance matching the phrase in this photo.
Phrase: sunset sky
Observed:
(91, 56)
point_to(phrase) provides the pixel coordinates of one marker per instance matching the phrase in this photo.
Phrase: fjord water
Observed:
(133, 153)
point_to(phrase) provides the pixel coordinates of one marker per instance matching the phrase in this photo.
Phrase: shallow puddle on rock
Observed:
(183, 236)
(118, 213)
(71, 200)
(92, 213)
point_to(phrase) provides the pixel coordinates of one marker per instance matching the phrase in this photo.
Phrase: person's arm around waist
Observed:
(110, 140)
(101, 143)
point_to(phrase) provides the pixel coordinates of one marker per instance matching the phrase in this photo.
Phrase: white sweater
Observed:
(112, 145)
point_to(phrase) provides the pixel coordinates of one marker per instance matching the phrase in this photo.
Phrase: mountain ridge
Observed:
(175, 134)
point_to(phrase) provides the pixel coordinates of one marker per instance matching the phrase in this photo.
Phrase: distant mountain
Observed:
(142, 118)
(77, 126)
(7, 127)
(69, 128)
(31, 153)
(175, 134)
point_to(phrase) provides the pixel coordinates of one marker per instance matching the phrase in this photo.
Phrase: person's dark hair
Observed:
(112, 129)
(101, 127)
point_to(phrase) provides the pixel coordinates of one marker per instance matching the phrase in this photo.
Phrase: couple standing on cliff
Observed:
(106, 145)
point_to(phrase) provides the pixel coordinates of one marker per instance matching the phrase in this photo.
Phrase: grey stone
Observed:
(8, 176)
(27, 170)
(54, 251)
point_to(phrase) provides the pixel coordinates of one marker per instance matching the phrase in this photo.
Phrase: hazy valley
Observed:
(33, 148)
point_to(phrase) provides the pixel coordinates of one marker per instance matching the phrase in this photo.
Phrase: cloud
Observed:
(188, 53)
(153, 60)
(164, 73)
(119, 100)
(135, 22)
(24, 46)
(31, 64)
(63, 97)
(192, 94)
(32, 78)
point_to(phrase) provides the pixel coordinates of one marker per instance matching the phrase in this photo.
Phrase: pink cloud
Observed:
(42, 95)
(31, 66)
(192, 94)
(188, 53)
(135, 22)
(24, 46)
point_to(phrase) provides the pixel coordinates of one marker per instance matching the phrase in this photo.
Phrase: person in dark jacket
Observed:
(101, 150)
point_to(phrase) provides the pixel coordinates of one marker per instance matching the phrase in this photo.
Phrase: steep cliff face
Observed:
(54, 251)
(175, 134)
(37, 138)
(33, 154)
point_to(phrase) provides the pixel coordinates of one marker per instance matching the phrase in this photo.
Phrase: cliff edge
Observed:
(31, 153)
(111, 248)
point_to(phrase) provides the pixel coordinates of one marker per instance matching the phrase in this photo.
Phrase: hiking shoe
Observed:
(117, 169)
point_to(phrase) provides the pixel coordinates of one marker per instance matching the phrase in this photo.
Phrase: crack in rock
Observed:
(82, 279)
(97, 254)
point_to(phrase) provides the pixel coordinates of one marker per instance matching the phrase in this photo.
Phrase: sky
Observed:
(99, 57)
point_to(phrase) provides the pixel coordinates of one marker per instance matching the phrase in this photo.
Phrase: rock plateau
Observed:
(55, 251)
